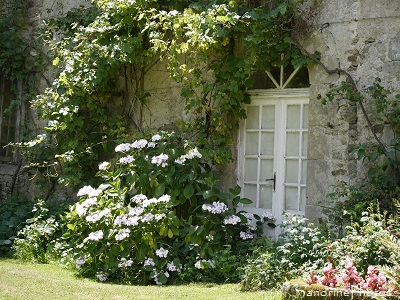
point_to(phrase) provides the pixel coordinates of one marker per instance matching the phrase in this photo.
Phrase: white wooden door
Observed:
(273, 154)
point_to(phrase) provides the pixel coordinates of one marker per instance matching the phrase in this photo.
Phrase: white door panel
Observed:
(273, 154)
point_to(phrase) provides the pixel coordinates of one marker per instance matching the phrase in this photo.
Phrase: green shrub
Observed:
(364, 242)
(300, 248)
(34, 241)
(158, 214)
(13, 216)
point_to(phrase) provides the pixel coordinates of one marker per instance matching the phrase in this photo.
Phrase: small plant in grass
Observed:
(35, 239)
(157, 215)
(300, 249)
(13, 216)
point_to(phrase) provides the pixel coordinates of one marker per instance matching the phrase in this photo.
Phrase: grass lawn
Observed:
(31, 281)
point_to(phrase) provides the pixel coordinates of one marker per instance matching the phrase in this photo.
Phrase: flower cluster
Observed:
(350, 275)
(215, 208)
(173, 268)
(122, 234)
(330, 278)
(232, 220)
(125, 263)
(160, 160)
(204, 262)
(143, 201)
(97, 216)
(126, 160)
(374, 280)
(190, 155)
(94, 236)
(246, 235)
(88, 191)
(349, 278)
(104, 166)
(162, 252)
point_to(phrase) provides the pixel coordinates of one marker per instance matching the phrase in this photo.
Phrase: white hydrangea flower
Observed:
(147, 217)
(97, 216)
(89, 191)
(139, 144)
(215, 208)
(80, 261)
(246, 235)
(104, 166)
(94, 236)
(160, 160)
(125, 263)
(101, 276)
(232, 220)
(126, 160)
(126, 220)
(161, 252)
(80, 209)
(64, 111)
(206, 262)
(139, 198)
(151, 145)
(171, 267)
(268, 216)
(190, 155)
(149, 262)
(125, 147)
(122, 234)
(164, 198)
(156, 138)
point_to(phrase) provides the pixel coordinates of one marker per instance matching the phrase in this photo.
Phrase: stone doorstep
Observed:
(298, 290)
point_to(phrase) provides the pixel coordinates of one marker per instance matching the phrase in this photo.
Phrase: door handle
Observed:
(272, 179)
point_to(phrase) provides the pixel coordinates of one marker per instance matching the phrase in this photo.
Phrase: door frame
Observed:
(275, 94)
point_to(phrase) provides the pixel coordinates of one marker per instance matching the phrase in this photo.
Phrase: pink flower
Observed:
(374, 280)
(313, 278)
(329, 279)
(350, 275)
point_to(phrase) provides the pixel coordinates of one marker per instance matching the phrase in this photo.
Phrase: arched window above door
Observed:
(281, 77)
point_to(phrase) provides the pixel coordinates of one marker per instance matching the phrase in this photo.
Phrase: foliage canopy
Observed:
(211, 48)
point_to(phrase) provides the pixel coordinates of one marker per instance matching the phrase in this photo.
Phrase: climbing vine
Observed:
(211, 48)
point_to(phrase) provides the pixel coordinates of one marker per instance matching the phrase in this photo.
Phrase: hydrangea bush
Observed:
(157, 214)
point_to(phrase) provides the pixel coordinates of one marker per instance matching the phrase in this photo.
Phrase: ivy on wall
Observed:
(211, 48)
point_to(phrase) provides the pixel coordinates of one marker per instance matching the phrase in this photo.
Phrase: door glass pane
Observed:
(292, 171)
(266, 196)
(252, 120)
(291, 198)
(292, 144)
(304, 144)
(251, 143)
(267, 143)
(250, 191)
(303, 171)
(305, 116)
(267, 170)
(250, 169)
(303, 199)
(293, 117)
(268, 117)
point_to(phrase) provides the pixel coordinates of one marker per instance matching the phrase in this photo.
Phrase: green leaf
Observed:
(188, 191)
(71, 226)
(162, 278)
(160, 189)
(245, 201)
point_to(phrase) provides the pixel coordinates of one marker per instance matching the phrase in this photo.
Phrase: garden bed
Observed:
(298, 290)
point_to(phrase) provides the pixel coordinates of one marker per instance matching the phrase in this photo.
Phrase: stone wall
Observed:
(362, 38)
(359, 36)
